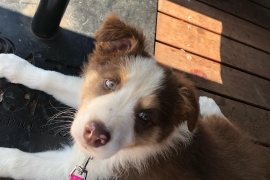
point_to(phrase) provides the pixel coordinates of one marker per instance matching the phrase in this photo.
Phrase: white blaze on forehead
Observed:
(116, 109)
(144, 76)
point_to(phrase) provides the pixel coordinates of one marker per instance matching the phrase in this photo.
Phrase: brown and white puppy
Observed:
(136, 100)
(137, 118)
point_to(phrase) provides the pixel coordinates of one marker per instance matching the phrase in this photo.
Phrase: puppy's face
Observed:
(128, 99)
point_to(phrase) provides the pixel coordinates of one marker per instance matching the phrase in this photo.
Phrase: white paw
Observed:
(7, 160)
(209, 107)
(11, 66)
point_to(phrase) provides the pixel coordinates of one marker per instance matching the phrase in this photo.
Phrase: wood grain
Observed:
(217, 21)
(209, 37)
(216, 77)
(243, 9)
(211, 45)
(264, 3)
(250, 119)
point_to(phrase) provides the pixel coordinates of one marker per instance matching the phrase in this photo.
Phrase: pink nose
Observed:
(95, 134)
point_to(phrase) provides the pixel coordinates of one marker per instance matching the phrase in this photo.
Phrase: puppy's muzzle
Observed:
(95, 134)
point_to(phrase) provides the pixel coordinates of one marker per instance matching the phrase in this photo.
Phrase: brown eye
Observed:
(144, 116)
(110, 84)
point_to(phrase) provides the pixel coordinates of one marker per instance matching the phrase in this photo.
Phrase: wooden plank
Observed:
(208, 44)
(216, 77)
(218, 21)
(264, 3)
(250, 119)
(244, 9)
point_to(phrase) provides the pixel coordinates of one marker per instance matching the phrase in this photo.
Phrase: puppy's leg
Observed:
(209, 107)
(48, 165)
(64, 88)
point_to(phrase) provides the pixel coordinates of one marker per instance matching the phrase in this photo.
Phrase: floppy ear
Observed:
(116, 37)
(189, 101)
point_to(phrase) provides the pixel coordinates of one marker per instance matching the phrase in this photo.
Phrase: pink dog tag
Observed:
(73, 177)
(80, 172)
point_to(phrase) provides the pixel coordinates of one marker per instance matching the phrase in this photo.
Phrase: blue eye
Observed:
(144, 116)
(110, 84)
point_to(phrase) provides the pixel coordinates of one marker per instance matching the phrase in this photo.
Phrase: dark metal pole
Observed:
(47, 17)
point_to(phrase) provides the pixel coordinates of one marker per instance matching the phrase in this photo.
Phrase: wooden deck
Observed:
(224, 47)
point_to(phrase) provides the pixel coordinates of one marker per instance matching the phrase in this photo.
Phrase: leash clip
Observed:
(80, 172)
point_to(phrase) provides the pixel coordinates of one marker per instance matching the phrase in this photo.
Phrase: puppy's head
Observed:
(128, 99)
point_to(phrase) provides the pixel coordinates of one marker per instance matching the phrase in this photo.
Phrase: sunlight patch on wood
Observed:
(188, 63)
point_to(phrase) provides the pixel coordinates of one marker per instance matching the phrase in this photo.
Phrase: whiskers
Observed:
(60, 123)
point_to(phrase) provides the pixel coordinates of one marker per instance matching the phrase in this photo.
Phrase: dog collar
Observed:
(80, 172)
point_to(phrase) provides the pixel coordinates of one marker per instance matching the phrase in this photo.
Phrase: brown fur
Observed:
(218, 150)
(149, 102)
(114, 30)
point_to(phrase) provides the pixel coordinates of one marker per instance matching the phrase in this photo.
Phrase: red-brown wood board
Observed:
(199, 41)
(264, 3)
(225, 52)
(244, 9)
(216, 77)
(217, 21)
